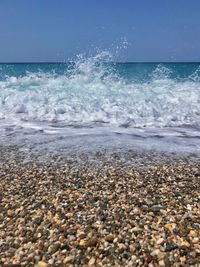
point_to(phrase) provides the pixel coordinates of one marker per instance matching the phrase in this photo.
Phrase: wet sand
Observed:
(103, 209)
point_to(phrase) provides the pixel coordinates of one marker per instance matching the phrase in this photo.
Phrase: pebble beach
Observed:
(108, 209)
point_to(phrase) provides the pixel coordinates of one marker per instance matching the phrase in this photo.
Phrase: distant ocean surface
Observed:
(93, 102)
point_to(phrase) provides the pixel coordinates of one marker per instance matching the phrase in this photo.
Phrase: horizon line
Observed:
(116, 62)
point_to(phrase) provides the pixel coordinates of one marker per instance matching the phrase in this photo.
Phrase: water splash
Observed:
(91, 91)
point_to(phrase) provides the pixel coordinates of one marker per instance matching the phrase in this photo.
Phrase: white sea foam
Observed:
(92, 93)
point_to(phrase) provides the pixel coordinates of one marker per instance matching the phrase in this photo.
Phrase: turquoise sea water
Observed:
(94, 97)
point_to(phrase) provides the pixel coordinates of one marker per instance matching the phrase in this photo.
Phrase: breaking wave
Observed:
(94, 91)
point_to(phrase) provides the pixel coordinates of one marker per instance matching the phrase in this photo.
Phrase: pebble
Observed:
(41, 264)
(161, 263)
(82, 242)
(156, 208)
(91, 261)
(68, 259)
(155, 252)
(170, 246)
(121, 247)
(92, 242)
(185, 244)
(109, 238)
(170, 226)
(193, 233)
(53, 248)
(69, 215)
(160, 241)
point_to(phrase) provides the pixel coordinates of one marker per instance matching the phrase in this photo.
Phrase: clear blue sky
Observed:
(57, 30)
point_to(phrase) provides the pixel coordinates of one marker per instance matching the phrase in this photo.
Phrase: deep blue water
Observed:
(132, 71)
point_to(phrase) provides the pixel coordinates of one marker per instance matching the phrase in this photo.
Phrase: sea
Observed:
(93, 103)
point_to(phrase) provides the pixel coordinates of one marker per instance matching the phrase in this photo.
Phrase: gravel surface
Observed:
(109, 209)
